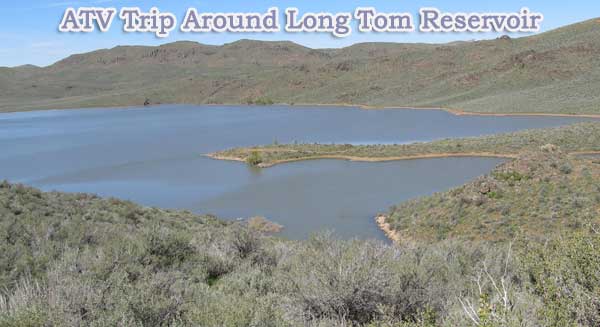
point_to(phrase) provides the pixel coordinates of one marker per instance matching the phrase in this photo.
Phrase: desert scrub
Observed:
(509, 176)
(77, 259)
(533, 195)
(555, 72)
(566, 276)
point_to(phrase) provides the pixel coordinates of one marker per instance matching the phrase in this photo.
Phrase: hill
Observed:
(553, 72)
(539, 194)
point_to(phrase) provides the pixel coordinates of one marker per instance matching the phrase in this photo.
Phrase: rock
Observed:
(485, 186)
(264, 226)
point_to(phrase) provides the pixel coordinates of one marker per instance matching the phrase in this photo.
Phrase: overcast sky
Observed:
(29, 29)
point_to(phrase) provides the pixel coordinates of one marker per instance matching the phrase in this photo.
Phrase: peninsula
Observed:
(578, 138)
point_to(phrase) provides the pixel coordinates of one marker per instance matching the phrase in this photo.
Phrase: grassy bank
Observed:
(576, 138)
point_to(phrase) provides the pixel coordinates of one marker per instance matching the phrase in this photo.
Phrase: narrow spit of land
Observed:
(581, 138)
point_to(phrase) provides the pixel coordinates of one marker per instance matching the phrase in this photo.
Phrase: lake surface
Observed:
(154, 156)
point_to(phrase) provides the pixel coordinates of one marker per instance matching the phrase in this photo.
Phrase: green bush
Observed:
(565, 274)
(261, 101)
(254, 159)
(165, 249)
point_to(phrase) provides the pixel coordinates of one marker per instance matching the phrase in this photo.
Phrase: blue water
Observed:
(154, 156)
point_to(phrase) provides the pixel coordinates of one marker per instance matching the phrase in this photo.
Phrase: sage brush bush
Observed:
(79, 260)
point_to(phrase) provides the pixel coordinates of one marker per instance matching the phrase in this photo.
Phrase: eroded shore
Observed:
(387, 229)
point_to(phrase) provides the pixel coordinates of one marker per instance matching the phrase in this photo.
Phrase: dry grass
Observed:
(554, 72)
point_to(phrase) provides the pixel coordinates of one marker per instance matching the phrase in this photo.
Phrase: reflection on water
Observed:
(154, 156)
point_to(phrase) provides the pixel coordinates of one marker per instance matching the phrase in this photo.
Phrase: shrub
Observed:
(24, 306)
(565, 274)
(254, 159)
(262, 101)
(566, 169)
(165, 248)
(508, 176)
(76, 260)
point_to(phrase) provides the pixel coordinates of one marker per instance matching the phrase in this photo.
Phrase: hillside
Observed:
(80, 260)
(576, 138)
(77, 259)
(539, 194)
(553, 72)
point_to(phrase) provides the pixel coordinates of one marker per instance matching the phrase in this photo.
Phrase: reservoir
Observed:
(154, 156)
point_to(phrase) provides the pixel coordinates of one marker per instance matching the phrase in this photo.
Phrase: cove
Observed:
(154, 156)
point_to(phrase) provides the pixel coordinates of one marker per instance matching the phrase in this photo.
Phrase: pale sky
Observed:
(29, 29)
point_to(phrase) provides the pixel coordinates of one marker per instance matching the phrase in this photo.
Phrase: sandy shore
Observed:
(456, 112)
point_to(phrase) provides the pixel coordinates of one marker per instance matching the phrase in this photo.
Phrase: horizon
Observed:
(519, 35)
(37, 41)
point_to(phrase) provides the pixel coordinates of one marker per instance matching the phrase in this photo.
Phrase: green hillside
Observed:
(539, 194)
(553, 72)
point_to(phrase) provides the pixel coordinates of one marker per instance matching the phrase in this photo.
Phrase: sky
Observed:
(29, 29)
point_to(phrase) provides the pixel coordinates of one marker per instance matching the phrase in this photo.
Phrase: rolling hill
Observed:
(553, 72)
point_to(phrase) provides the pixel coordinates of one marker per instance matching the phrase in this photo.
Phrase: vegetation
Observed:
(539, 194)
(262, 225)
(254, 158)
(76, 259)
(553, 72)
(262, 101)
(582, 137)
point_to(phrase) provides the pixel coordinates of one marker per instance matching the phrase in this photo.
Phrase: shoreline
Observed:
(384, 159)
(387, 229)
(369, 159)
(380, 219)
(455, 112)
